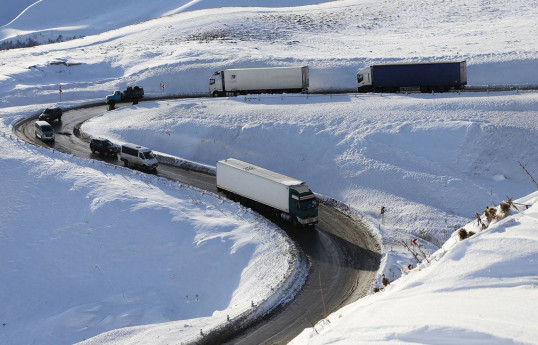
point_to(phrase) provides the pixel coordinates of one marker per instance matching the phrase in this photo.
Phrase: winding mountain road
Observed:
(344, 257)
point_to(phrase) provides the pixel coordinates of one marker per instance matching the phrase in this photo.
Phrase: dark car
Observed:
(51, 114)
(104, 146)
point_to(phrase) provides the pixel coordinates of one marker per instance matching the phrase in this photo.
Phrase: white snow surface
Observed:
(87, 248)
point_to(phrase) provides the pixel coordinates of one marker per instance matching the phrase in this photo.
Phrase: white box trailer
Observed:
(291, 199)
(232, 82)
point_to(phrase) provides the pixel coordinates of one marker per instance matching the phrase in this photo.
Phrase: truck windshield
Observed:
(360, 78)
(307, 204)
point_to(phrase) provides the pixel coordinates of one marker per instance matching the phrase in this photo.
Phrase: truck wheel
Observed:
(125, 162)
(135, 101)
(294, 221)
(111, 105)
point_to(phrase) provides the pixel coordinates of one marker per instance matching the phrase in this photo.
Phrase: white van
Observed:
(43, 130)
(138, 156)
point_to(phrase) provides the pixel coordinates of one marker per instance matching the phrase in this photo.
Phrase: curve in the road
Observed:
(344, 257)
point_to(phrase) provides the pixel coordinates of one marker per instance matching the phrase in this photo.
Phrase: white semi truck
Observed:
(233, 82)
(288, 198)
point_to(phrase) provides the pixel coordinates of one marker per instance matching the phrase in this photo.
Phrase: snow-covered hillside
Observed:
(78, 238)
(47, 20)
(482, 290)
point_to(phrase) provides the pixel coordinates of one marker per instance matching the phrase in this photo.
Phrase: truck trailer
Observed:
(233, 82)
(286, 197)
(422, 76)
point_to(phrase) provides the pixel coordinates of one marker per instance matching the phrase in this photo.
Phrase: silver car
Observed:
(43, 130)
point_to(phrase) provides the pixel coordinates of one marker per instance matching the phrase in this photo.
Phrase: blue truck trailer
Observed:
(439, 76)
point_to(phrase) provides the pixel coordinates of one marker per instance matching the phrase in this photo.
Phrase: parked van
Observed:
(138, 156)
(43, 130)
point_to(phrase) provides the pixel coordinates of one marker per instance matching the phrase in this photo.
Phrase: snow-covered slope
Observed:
(11, 9)
(46, 20)
(482, 290)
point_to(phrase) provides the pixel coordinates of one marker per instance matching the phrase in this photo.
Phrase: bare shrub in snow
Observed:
(463, 234)
(415, 252)
(490, 213)
(478, 219)
(505, 207)
(385, 281)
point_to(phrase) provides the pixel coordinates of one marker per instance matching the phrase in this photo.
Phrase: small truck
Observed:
(131, 94)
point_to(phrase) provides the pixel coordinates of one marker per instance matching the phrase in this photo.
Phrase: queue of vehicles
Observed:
(438, 76)
(285, 197)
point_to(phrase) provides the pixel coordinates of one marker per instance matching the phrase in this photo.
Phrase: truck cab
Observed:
(215, 84)
(364, 80)
(116, 97)
(303, 205)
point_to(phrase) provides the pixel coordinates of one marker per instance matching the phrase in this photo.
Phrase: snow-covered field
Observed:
(88, 248)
